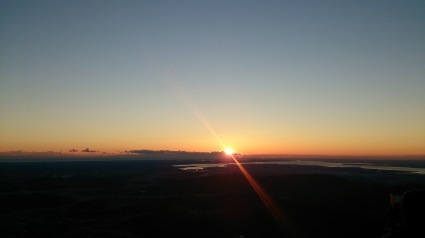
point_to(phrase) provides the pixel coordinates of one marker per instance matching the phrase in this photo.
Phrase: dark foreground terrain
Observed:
(157, 199)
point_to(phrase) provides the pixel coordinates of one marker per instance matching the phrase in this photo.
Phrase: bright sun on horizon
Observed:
(228, 151)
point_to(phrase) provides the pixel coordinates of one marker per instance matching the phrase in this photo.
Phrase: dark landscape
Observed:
(148, 198)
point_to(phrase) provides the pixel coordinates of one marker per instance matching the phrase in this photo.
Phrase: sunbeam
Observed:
(271, 206)
(266, 199)
(195, 110)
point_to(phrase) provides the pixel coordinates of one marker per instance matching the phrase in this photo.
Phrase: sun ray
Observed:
(262, 194)
(195, 110)
(266, 199)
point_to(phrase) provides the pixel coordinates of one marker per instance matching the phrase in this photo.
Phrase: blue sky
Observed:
(277, 76)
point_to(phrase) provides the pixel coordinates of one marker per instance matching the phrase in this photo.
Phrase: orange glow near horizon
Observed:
(204, 145)
(252, 136)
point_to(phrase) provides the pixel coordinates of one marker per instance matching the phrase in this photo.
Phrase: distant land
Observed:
(201, 197)
(181, 154)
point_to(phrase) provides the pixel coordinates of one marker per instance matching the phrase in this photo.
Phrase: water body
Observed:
(370, 166)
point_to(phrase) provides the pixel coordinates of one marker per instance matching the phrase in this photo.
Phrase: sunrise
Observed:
(238, 115)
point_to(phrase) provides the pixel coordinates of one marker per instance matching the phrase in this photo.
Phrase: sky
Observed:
(268, 77)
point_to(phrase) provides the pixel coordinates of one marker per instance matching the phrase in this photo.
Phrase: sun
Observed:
(228, 151)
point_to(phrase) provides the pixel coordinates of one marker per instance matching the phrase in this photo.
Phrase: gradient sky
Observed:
(296, 77)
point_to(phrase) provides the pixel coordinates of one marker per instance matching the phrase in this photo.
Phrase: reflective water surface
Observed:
(373, 166)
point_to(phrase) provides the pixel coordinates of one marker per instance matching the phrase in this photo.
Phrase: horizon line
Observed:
(93, 153)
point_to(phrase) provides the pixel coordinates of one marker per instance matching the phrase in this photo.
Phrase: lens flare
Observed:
(262, 194)
(195, 110)
(265, 198)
